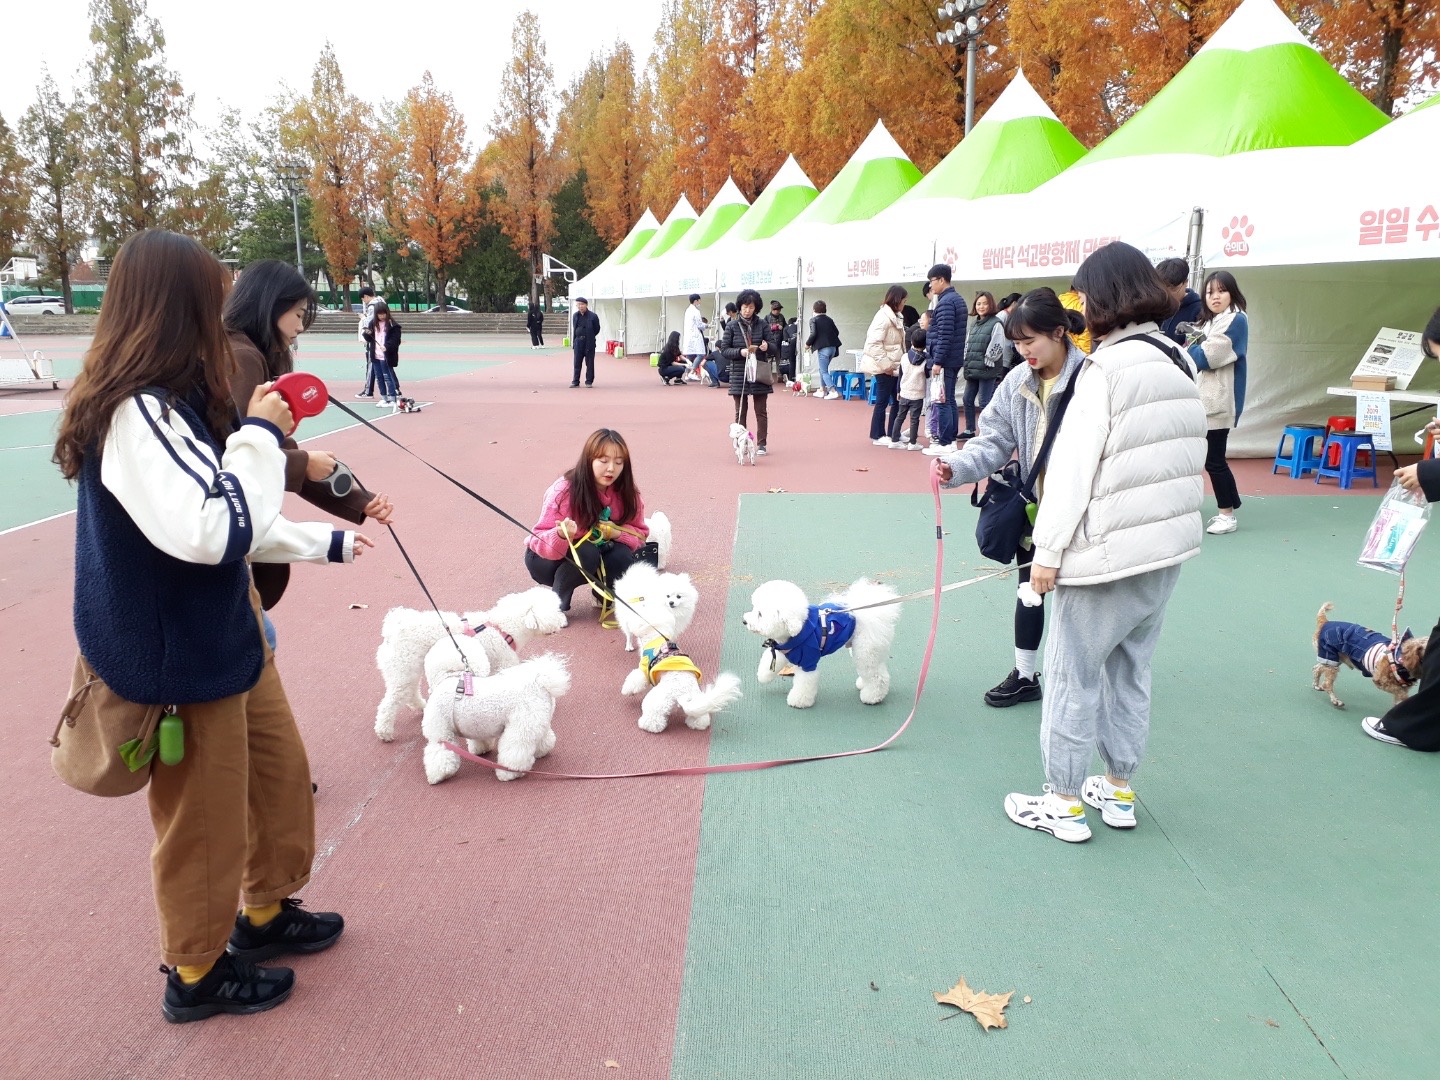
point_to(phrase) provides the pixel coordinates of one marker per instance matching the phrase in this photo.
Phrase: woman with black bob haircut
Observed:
(747, 337)
(270, 306)
(1026, 405)
(1121, 513)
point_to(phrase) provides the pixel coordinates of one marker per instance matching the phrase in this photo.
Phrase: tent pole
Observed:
(1194, 254)
(799, 299)
(624, 316)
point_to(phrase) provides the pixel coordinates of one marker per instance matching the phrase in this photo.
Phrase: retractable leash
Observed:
(752, 766)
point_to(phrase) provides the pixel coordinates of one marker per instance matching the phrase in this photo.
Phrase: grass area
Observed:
(1255, 923)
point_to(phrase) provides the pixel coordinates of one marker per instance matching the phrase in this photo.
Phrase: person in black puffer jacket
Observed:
(981, 374)
(746, 333)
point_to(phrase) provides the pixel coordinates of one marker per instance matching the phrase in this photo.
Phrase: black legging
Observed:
(537, 336)
(1416, 720)
(1227, 495)
(1029, 621)
(564, 576)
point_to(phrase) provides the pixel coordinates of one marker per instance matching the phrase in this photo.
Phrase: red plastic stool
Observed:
(1332, 453)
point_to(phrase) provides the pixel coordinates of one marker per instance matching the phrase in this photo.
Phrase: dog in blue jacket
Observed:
(1393, 666)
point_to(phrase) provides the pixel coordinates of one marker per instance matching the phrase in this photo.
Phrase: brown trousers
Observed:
(235, 819)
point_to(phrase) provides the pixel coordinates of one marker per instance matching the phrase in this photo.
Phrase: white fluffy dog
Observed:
(744, 444)
(508, 712)
(803, 633)
(660, 532)
(672, 679)
(407, 635)
(642, 587)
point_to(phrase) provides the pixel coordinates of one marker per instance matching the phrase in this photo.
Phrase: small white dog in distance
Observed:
(407, 636)
(509, 712)
(671, 677)
(744, 444)
(660, 532)
(802, 633)
(641, 587)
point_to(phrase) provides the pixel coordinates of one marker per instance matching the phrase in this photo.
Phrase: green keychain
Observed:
(172, 739)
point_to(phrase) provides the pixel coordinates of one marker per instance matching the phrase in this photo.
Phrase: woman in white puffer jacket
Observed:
(1121, 512)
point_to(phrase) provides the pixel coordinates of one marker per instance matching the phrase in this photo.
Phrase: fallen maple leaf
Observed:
(988, 1009)
(776, 491)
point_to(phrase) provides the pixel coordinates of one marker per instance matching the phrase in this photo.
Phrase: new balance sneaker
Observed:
(1374, 726)
(1221, 524)
(231, 986)
(1116, 805)
(292, 931)
(1013, 690)
(1061, 818)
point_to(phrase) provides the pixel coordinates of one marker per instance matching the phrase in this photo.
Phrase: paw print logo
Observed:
(951, 256)
(810, 273)
(1237, 236)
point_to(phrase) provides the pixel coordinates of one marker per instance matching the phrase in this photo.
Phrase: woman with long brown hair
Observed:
(175, 493)
(597, 505)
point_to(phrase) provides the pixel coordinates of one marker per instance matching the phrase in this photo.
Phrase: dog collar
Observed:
(1401, 671)
(471, 631)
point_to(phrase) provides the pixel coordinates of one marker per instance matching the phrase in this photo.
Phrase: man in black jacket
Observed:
(584, 331)
(946, 341)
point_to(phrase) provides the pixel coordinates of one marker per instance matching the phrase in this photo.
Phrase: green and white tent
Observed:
(784, 199)
(876, 175)
(725, 209)
(643, 232)
(680, 221)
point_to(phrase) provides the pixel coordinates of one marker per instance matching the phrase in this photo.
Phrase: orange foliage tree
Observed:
(1387, 48)
(432, 207)
(523, 163)
(334, 129)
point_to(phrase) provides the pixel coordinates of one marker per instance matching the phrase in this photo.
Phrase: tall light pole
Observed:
(292, 174)
(967, 27)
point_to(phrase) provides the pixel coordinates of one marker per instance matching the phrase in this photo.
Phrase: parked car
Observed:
(447, 307)
(36, 305)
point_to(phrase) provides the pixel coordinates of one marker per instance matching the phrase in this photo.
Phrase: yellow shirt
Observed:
(1047, 387)
(1071, 300)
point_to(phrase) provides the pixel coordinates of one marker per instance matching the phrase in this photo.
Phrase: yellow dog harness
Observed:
(660, 656)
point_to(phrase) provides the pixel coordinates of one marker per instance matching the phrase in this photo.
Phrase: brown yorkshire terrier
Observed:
(1391, 666)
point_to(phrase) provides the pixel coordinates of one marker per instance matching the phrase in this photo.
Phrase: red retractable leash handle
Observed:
(304, 393)
(751, 766)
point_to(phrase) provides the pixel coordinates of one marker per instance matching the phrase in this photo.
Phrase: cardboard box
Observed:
(1372, 382)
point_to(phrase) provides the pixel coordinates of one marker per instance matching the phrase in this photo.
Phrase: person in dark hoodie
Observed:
(946, 338)
(1176, 275)
(535, 323)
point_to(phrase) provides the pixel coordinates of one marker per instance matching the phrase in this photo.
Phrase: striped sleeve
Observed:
(187, 503)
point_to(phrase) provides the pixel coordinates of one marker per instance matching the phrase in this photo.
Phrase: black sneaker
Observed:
(292, 931)
(231, 986)
(1013, 690)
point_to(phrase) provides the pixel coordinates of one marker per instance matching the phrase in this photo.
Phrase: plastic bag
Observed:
(1395, 531)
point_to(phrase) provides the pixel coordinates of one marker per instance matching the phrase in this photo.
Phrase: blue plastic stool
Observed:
(1350, 443)
(850, 384)
(873, 391)
(1301, 458)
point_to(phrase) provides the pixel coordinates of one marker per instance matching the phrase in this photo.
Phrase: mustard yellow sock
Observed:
(261, 915)
(190, 974)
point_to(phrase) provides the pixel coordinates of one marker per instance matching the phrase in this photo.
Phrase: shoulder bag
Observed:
(1005, 519)
(758, 369)
(106, 745)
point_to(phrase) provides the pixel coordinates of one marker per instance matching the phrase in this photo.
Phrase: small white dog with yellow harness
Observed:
(668, 678)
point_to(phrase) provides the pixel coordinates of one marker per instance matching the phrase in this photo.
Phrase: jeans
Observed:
(887, 405)
(1227, 495)
(823, 358)
(369, 390)
(949, 410)
(673, 371)
(385, 377)
(903, 410)
(978, 393)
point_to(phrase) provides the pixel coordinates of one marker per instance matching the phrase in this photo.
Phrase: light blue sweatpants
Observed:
(1097, 668)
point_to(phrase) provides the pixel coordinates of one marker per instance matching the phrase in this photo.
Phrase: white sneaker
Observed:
(1061, 818)
(1373, 727)
(1116, 805)
(900, 446)
(1221, 524)
(936, 450)
(914, 446)
(883, 440)
(383, 403)
(831, 395)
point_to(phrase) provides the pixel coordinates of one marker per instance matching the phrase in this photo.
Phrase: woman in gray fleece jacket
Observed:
(1014, 425)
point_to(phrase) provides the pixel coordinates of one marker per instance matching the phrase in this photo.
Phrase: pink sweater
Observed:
(547, 541)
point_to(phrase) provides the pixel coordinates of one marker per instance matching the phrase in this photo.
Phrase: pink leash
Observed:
(749, 766)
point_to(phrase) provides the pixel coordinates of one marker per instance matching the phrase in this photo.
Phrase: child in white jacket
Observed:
(913, 373)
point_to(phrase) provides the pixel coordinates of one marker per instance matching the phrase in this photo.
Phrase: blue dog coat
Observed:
(1362, 646)
(826, 630)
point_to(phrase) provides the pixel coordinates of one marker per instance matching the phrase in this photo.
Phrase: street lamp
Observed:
(967, 27)
(292, 174)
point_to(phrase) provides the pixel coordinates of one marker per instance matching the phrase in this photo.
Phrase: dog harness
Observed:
(476, 631)
(826, 630)
(1363, 647)
(659, 657)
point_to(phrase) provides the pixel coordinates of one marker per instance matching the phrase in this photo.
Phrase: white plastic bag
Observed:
(1395, 531)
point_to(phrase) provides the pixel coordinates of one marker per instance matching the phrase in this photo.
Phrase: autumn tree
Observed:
(138, 119)
(14, 192)
(521, 159)
(333, 129)
(52, 136)
(1386, 48)
(431, 208)
(615, 165)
